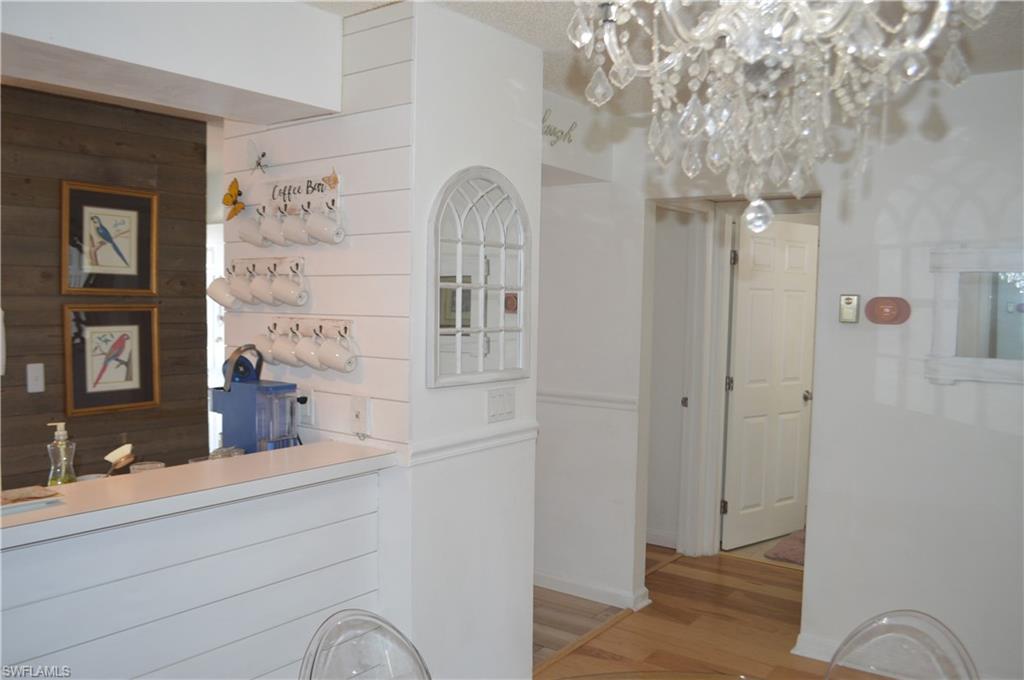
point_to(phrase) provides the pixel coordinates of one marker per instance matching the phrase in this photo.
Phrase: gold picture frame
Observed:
(119, 224)
(111, 358)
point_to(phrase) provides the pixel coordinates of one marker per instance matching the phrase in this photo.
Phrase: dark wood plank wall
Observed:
(47, 138)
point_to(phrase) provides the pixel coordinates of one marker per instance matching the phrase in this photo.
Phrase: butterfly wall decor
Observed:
(231, 200)
(331, 180)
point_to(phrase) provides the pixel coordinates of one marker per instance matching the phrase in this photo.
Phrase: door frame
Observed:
(708, 305)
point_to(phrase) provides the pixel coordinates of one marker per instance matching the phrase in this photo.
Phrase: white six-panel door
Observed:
(769, 415)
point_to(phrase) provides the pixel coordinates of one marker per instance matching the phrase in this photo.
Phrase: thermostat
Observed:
(849, 308)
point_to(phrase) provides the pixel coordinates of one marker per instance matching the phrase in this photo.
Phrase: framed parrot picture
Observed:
(109, 240)
(111, 356)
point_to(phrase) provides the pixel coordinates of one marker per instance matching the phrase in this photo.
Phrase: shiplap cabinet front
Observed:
(227, 591)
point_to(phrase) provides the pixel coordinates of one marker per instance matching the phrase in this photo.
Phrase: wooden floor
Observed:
(718, 614)
(757, 551)
(560, 619)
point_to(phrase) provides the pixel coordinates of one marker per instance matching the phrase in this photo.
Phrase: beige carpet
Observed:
(757, 551)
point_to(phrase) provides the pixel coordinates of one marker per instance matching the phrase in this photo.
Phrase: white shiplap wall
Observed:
(365, 278)
(166, 597)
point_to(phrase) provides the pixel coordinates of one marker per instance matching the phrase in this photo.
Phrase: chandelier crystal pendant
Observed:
(751, 88)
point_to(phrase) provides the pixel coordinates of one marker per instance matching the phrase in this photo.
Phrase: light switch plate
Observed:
(501, 404)
(35, 378)
(307, 411)
(360, 416)
(849, 308)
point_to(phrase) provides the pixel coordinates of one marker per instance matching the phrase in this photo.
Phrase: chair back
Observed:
(355, 643)
(903, 645)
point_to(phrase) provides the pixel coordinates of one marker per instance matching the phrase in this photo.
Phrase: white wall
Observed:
(264, 61)
(457, 518)
(918, 504)
(470, 561)
(589, 388)
(366, 277)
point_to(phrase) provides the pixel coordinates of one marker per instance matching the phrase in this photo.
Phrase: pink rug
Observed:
(789, 549)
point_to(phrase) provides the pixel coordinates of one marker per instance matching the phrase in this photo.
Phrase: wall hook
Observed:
(261, 163)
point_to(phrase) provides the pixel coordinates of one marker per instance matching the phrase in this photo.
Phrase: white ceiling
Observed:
(998, 46)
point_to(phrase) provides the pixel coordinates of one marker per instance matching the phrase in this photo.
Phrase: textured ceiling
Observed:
(998, 46)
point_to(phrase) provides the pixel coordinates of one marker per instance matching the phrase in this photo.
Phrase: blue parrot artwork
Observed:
(110, 241)
(104, 233)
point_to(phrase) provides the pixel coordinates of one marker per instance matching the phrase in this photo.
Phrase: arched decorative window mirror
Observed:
(480, 269)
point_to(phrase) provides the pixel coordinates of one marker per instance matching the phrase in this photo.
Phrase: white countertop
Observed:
(123, 498)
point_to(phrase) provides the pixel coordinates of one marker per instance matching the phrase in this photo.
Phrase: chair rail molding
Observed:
(616, 402)
(473, 441)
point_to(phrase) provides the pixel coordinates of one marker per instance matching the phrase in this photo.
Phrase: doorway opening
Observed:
(729, 317)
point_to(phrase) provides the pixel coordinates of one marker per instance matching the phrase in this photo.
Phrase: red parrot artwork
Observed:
(113, 355)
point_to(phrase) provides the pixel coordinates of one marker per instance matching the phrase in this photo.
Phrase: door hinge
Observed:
(724, 506)
(685, 401)
(734, 257)
(728, 383)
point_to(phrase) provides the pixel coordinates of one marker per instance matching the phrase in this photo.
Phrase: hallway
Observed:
(710, 614)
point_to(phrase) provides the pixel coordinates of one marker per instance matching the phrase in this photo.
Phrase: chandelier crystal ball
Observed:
(752, 88)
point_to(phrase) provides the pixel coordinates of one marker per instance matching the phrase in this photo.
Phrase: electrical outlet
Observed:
(306, 407)
(35, 378)
(360, 416)
(501, 404)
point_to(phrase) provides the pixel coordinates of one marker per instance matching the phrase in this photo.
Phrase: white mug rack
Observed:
(266, 280)
(285, 212)
(308, 327)
(320, 344)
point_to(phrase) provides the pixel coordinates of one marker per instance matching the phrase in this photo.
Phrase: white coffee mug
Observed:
(265, 344)
(337, 354)
(272, 228)
(324, 229)
(240, 286)
(220, 292)
(249, 231)
(260, 286)
(306, 349)
(284, 349)
(294, 228)
(290, 289)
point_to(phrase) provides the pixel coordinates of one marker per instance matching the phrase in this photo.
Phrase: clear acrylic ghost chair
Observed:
(354, 643)
(905, 645)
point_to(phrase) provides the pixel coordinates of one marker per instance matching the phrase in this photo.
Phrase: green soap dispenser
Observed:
(62, 457)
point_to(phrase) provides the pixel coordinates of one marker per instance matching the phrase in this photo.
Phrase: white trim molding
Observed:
(943, 366)
(815, 647)
(472, 441)
(615, 598)
(616, 402)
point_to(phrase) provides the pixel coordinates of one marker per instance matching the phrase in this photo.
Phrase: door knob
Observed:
(808, 396)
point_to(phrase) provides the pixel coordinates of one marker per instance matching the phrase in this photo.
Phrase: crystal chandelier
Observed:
(750, 88)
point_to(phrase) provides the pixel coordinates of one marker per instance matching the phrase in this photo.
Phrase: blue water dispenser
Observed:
(259, 415)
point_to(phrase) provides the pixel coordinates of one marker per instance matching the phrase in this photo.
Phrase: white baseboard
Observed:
(641, 599)
(665, 539)
(815, 647)
(615, 598)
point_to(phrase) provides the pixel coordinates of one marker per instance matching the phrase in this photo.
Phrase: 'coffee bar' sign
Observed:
(317, 193)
